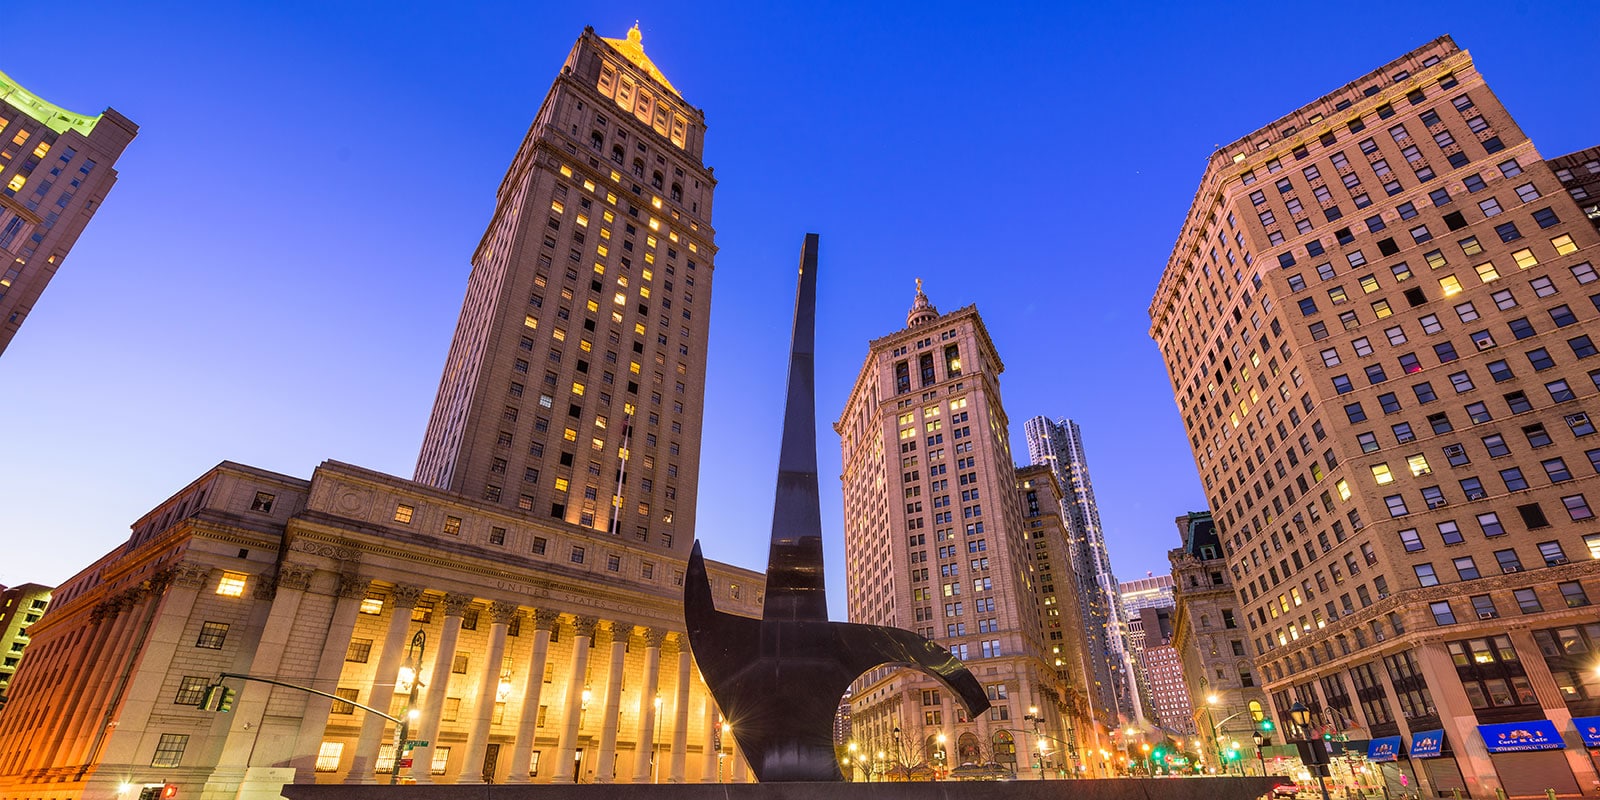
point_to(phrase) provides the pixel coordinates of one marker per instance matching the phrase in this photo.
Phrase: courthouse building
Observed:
(1379, 321)
(535, 628)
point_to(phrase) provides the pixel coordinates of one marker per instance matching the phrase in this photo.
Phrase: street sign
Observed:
(405, 763)
(410, 743)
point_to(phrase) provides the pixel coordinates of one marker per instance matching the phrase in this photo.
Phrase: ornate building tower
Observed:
(933, 542)
(574, 386)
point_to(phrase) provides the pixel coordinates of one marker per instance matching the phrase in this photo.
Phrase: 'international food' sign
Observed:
(1512, 737)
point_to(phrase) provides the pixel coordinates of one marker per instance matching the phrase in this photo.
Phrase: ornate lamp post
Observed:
(411, 674)
(1261, 757)
(1301, 717)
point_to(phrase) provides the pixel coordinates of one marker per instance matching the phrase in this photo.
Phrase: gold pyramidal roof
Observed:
(633, 50)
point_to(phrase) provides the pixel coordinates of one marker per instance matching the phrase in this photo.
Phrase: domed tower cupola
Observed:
(921, 311)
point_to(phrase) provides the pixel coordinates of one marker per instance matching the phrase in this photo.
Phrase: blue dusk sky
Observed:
(276, 276)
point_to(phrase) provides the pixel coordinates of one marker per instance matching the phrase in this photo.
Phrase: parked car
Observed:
(1285, 790)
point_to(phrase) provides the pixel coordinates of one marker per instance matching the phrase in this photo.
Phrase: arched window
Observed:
(656, 179)
(597, 140)
(968, 751)
(1005, 748)
(638, 168)
(1205, 620)
(677, 193)
(616, 153)
(1255, 711)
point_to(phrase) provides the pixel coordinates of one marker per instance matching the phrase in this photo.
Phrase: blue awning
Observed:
(1427, 744)
(1515, 737)
(1386, 748)
(1588, 729)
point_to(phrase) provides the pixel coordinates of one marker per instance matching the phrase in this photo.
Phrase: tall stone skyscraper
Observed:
(1059, 445)
(934, 542)
(573, 390)
(1380, 323)
(55, 171)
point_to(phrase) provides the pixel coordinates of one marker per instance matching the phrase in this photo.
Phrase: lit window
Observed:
(1564, 244)
(372, 604)
(329, 753)
(1381, 474)
(1450, 285)
(403, 513)
(232, 584)
(561, 484)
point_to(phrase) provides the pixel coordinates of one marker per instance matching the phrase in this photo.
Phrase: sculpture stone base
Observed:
(1250, 788)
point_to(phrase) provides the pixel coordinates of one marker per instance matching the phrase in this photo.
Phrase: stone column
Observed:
(1455, 713)
(708, 767)
(128, 608)
(488, 689)
(401, 600)
(1551, 701)
(545, 620)
(680, 714)
(644, 754)
(741, 772)
(606, 770)
(245, 728)
(160, 637)
(435, 686)
(573, 705)
(103, 623)
(350, 591)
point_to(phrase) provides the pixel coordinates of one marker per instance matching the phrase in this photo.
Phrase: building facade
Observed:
(1169, 693)
(578, 364)
(56, 168)
(934, 544)
(1059, 445)
(1378, 322)
(540, 653)
(1075, 726)
(20, 607)
(1224, 697)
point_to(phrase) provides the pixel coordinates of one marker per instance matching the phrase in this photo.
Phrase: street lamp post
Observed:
(941, 756)
(413, 666)
(850, 759)
(1034, 719)
(1301, 717)
(1261, 757)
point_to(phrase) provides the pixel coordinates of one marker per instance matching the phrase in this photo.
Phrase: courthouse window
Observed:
(328, 756)
(169, 751)
(232, 584)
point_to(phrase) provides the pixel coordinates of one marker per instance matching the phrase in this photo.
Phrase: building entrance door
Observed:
(491, 760)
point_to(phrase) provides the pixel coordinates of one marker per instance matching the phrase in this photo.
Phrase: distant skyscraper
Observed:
(1059, 445)
(1379, 322)
(1147, 609)
(573, 390)
(55, 170)
(20, 607)
(934, 540)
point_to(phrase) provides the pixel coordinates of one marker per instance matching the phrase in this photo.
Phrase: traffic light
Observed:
(169, 791)
(1266, 726)
(218, 698)
(1327, 737)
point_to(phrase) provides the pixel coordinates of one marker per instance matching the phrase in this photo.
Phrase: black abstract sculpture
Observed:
(778, 679)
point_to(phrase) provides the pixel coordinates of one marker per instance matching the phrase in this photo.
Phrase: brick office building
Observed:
(1379, 323)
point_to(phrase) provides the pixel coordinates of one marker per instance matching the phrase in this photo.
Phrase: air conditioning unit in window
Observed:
(1484, 343)
(1558, 561)
(1578, 420)
(1510, 568)
(1440, 502)
(1487, 615)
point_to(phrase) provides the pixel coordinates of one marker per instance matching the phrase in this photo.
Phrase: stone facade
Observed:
(1210, 640)
(544, 649)
(1379, 322)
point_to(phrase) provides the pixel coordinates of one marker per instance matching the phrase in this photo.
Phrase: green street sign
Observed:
(416, 743)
